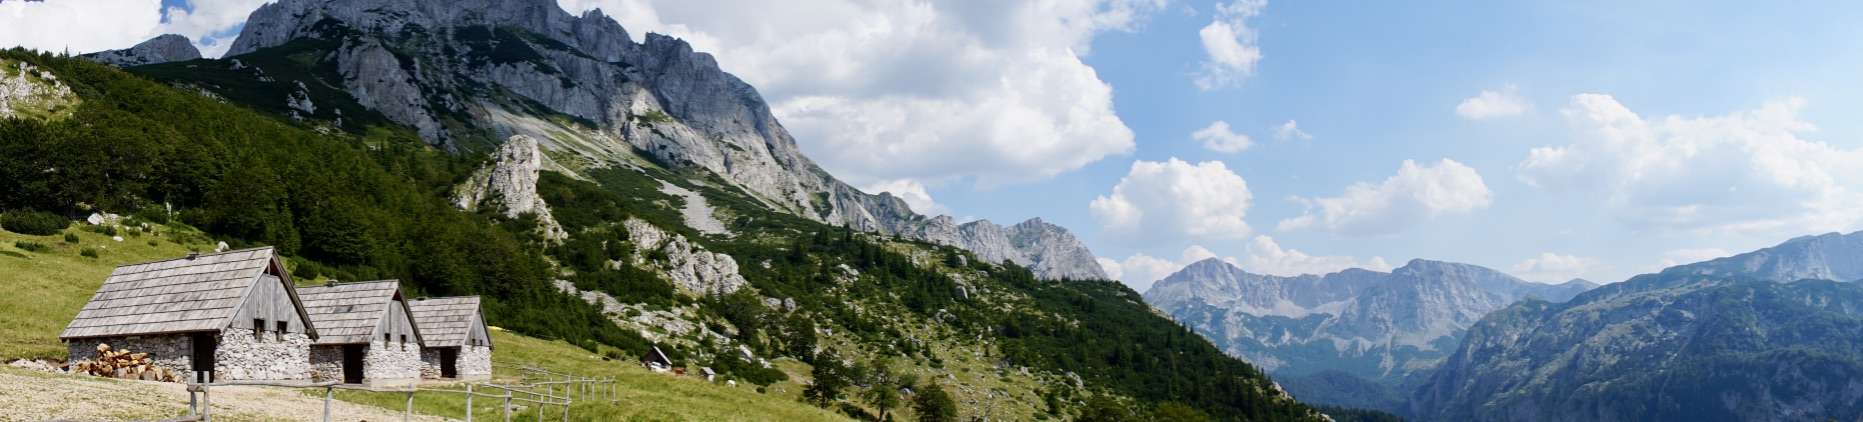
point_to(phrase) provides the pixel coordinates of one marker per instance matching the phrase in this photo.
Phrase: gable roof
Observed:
(447, 321)
(188, 294)
(349, 313)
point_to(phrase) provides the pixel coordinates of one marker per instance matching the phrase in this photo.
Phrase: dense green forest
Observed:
(352, 207)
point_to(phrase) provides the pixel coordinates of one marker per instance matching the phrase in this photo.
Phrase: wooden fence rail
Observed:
(200, 398)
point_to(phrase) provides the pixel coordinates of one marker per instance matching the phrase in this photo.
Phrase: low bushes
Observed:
(36, 223)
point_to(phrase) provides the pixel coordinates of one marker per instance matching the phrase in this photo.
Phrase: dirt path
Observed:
(32, 396)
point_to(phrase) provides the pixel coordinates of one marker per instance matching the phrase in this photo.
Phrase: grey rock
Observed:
(689, 266)
(23, 85)
(510, 181)
(161, 49)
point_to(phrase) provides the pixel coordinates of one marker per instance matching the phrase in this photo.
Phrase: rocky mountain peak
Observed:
(477, 69)
(161, 49)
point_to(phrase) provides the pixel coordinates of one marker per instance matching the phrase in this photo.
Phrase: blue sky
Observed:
(1557, 139)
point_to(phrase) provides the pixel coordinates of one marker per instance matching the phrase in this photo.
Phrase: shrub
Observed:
(33, 222)
(153, 242)
(88, 252)
(71, 238)
(32, 246)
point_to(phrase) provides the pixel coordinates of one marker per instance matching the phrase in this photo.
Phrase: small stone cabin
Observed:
(458, 345)
(366, 334)
(230, 316)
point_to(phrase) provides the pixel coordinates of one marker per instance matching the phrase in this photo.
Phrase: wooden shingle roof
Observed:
(197, 293)
(447, 321)
(349, 313)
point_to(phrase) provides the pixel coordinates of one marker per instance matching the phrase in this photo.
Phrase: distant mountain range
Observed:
(1331, 338)
(1774, 334)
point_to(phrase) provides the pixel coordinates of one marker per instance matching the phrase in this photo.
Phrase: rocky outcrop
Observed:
(1377, 326)
(510, 182)
(418, 60)
(689, 266)
(161, 49)
(27, 90)
(1046, 249)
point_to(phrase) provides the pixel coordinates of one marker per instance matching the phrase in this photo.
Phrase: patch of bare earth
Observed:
(31, 396)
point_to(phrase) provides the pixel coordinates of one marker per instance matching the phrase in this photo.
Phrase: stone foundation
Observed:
(430, 363)
(173, 352)
(243, 357)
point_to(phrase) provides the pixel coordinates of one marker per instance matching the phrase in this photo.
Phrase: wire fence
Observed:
(572, 388)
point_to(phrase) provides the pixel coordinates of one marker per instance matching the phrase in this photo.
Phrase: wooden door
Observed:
(204, 346)
(352, 364)
(449, 366)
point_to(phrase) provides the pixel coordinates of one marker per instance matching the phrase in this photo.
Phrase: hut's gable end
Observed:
(397, 323)
(479, 336)
(268, 303)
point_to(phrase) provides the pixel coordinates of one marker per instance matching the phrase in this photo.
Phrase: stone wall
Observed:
(174, 352)
(326, 363)
(430, 363)
(390, 364)
(241, 356)
(475, 363)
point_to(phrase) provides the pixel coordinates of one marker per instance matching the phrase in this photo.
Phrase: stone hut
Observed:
(458, 345)
(367, 334)
(222, 316)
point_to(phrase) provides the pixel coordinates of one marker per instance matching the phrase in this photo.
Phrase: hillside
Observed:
(869, 311)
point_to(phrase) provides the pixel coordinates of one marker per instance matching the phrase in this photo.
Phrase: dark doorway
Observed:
(202, 359)
(352, 364)
(448, 367)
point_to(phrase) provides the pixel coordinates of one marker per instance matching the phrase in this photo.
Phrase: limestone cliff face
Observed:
(510, 182)
(161, 49)
(451, 69)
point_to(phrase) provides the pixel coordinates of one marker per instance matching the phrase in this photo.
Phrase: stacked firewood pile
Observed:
(123, 364)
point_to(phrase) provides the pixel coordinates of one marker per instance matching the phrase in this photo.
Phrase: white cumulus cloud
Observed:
(1416, 193)
(1217, 137)
(95, 25)
(1229, 45)
(1746, 172)
(994, 92)
(1176, 200)
(1550, 267)
(912, 192)
(1291, 131)
(1140, 271)
(1492, 104)
(1265, 256)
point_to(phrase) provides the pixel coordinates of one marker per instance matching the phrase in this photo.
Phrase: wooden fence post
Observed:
(468, 402)
(507, 407)
(329, 393)
(206, 404)
(408, 415)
